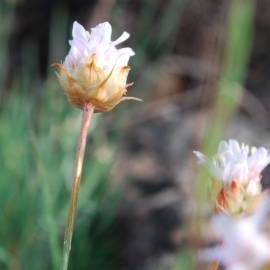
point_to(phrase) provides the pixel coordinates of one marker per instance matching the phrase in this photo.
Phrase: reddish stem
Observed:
(86, 118)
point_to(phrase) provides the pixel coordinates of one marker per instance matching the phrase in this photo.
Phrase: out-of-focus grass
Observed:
(229, 93)
(5, 11)
(36, 166)
(184, 260)
(230, 87)
(238, 45)
(38, 134)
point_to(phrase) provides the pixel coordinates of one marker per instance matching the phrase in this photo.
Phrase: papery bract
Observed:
(95, 71)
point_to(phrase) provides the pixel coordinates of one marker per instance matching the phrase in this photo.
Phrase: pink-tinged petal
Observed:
(259, 160)
(126, 51)
(78, 31)
(223, 147)
(235, 146)
(238, 266)
(226, 173)
(253, 188)
(80, 45)
(101, 33)
(98, 43)
(123, 56)
(122, 38)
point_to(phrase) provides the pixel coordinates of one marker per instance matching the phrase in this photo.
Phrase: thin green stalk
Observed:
(53, 235)
(230, 90)
(86, 118)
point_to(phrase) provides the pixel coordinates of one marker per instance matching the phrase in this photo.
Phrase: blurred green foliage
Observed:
(230, 87)
(37, 142)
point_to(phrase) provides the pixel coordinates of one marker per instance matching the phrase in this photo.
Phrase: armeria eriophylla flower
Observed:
(243, 244)
(237, 167)
(95, 71)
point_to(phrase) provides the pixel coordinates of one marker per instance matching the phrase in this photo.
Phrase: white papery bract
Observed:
(97, 43)
(243, 245)
(95, 71)
(238, 162)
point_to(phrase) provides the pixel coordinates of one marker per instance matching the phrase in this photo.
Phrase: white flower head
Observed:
(95, 71)
(238, 162)
(243, 244)
(98, 43)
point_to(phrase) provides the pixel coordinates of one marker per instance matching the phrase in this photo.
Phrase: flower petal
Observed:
(122, 38)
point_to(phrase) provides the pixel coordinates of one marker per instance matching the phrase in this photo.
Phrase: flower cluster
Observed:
(95, 71)
(244, 246)
(242, 243)
(238, 168)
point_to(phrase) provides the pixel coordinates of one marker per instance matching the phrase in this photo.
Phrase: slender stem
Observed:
(86, 117)
(213, 265)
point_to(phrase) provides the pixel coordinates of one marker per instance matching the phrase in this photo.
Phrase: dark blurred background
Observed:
(202, 68)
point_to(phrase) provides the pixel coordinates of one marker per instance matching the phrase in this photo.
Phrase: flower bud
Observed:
(95, 71)
(237, 168)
